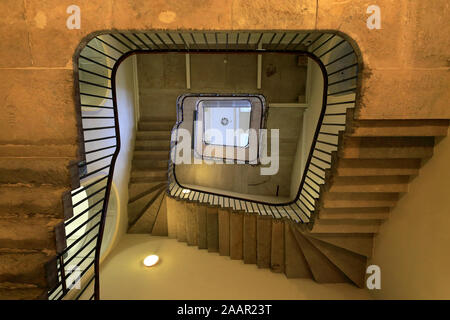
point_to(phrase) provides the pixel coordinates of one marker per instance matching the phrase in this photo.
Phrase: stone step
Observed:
(322, 269)
(160, 227)
(277, 247)
(386, 148)
(49, 171)
(368, 184)
(150, 155)
(202, 226)
(224, 231)
(160, 125)
(398, 128)
(138, 190)
(358, 199)
(138, 207)
(345, 226)
(351, 264)
(21, 291)
(144, 224)
(249, 239)
(171, 205)
(181, 221)
(156, 145)
(361, 243)
(25, 232)
(191, 224)
(153, 135)
(295, 263)
(22, 199)
(236, 235)
(149, 164)
(212, 228)
(23, 267)
(57, 151)
(148, 175)
(377, 213)
(263, 240)
(377, 167)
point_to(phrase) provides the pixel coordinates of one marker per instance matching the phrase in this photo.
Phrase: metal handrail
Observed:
(274, 208)
(302, 207)
(95, 84)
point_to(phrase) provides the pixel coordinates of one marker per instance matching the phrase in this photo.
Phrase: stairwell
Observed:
(374, 164)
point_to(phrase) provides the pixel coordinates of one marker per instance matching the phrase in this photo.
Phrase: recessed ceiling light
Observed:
(186, 191)
(151, 260)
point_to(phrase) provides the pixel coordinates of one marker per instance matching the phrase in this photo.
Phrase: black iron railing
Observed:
(78, 264)
(338, 63)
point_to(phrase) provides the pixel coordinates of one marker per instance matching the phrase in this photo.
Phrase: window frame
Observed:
(248, 126)
(257, 122)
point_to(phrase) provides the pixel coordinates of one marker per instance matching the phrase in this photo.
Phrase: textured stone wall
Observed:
(406, 62)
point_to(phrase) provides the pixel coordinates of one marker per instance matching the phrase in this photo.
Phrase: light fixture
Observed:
(186, 191)
(151, 260)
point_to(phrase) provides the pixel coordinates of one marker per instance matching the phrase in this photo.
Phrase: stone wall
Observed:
(405, 75)
(406, 62)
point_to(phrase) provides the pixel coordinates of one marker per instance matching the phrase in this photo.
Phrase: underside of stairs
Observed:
(373, 166)
(279, 245)
(151, 150)
(30, 218)
(149, 175)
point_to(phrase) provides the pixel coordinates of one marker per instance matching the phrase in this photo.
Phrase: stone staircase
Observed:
(374, 164)
(372, 168)
(148, 172)
(279, 245)
(30, 218)
(151, 150)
